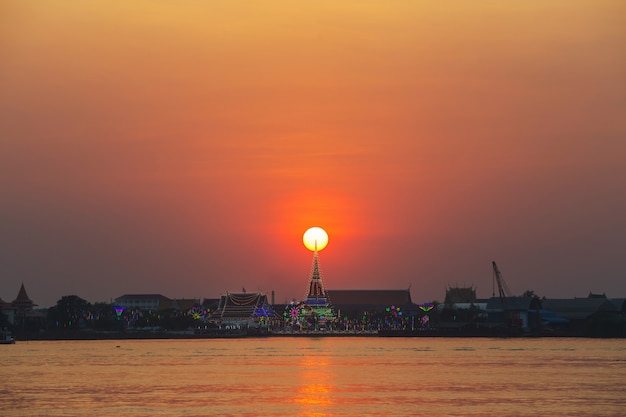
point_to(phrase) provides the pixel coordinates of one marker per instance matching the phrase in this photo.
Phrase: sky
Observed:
(183, 147)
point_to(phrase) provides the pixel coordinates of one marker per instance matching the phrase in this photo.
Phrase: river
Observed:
(317, 376)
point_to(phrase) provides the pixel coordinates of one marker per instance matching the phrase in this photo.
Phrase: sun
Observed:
(315, 238)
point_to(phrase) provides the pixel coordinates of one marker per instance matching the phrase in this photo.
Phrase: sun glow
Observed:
(315, 239)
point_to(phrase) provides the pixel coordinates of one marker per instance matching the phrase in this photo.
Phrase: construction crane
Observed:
(503, 291)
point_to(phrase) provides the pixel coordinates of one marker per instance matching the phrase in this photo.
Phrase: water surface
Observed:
(287, 376)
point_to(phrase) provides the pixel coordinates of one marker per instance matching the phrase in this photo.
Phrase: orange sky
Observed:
(183, 147)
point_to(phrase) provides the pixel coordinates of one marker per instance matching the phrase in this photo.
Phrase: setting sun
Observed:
(315, 239)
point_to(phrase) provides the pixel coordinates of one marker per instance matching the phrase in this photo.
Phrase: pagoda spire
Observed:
(317, 294)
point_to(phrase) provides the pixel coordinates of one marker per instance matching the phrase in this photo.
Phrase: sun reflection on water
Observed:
(314, 395)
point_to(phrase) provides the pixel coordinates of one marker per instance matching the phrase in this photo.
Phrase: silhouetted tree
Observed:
(175, 320)
(529, 294)
(4, 321)
(68, 313)
(103, 317)
(535, 302)
(535, 310)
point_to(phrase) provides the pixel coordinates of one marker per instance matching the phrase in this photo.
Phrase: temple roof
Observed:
(22, 296)
(579, 308)
(181, 304)
(370, 297)
(4, 305)
(242, 306)
(23, 302)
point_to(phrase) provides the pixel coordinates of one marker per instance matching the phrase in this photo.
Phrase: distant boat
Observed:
(6, 338)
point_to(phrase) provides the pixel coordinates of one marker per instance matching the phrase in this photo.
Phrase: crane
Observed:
(503, 291)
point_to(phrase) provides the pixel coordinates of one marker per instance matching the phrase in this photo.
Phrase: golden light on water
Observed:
(315, 395)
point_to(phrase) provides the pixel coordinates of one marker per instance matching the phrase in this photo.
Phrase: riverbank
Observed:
(239, 333)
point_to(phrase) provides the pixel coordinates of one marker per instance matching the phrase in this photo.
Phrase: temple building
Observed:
(23, 304)
(143, 302)
(243, 310)
(460, 295)
(155, 302)
(20, 312)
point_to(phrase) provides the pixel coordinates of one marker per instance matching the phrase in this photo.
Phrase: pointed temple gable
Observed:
(23, 302)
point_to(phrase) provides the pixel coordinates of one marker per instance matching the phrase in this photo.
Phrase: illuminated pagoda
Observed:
(317, 296)
(316, 311)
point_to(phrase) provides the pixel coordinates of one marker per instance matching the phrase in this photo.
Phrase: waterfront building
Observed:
(578, 310)
(180, 304)
(155, 302)
(142, 302)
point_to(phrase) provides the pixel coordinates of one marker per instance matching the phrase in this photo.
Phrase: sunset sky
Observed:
(183, 147)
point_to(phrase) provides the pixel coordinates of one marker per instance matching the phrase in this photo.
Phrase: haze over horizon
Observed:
(183, 148)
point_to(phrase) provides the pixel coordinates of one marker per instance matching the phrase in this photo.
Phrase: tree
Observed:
(529, 294)
(535, 307)
(4, 321)
(535, 302)
(102, 317)
(68, 313)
